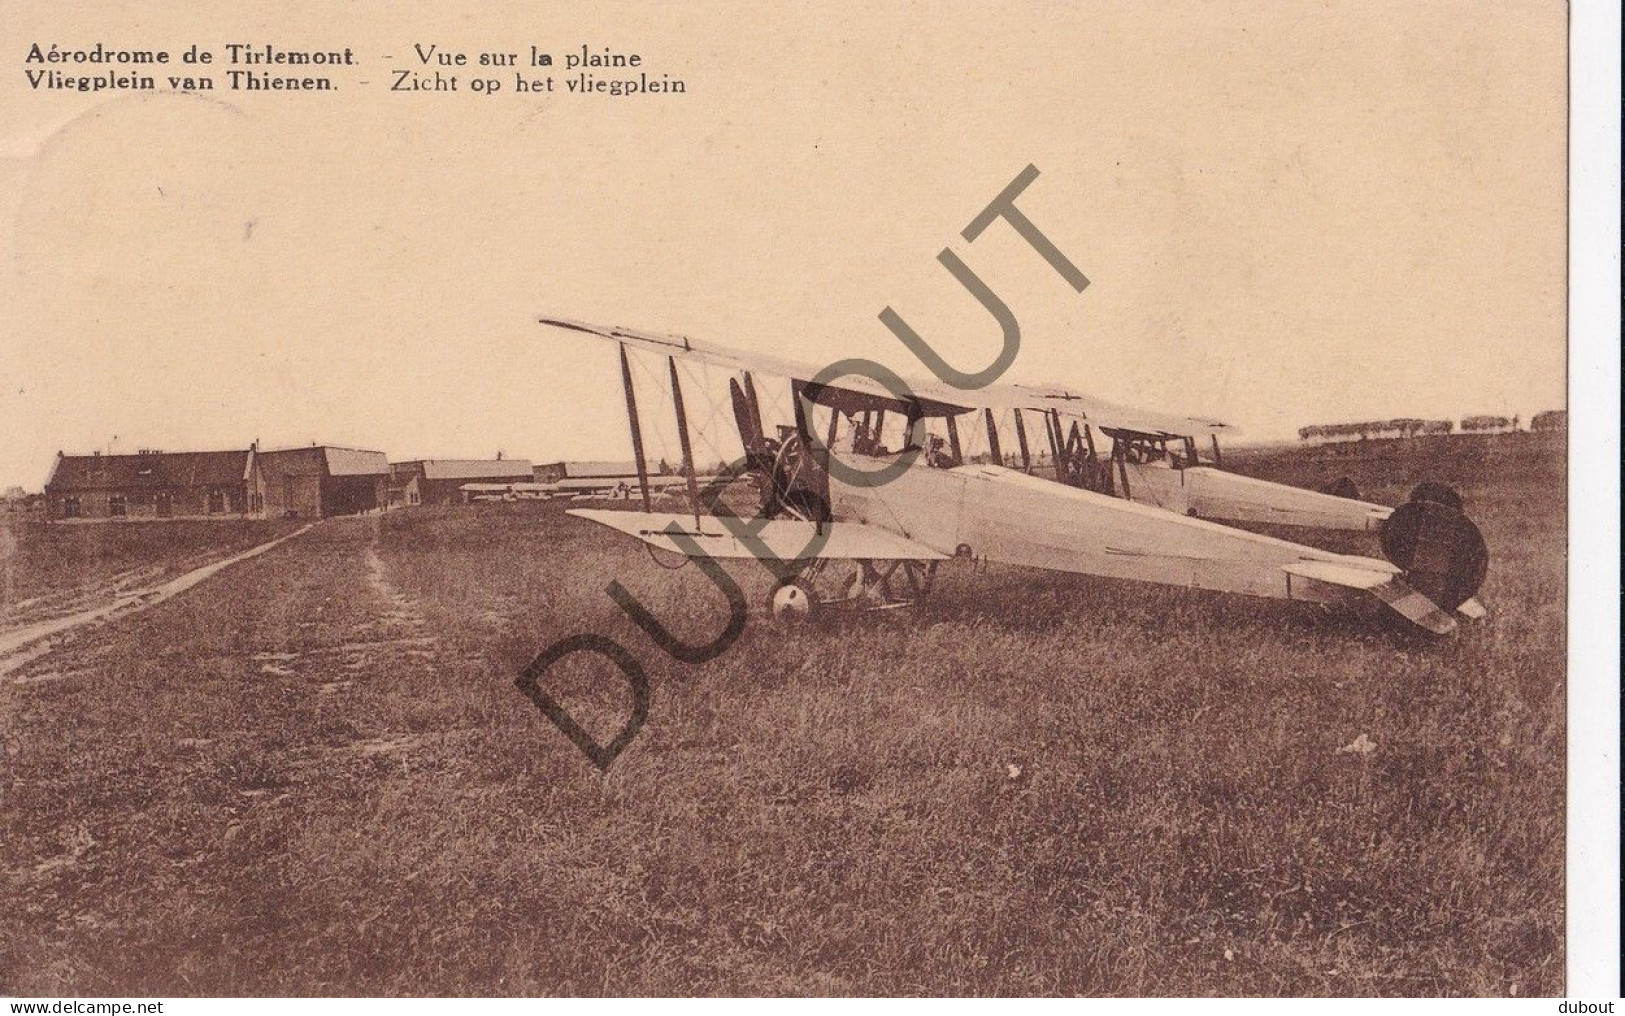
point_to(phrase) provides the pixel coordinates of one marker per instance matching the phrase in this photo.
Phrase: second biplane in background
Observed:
(851, 493)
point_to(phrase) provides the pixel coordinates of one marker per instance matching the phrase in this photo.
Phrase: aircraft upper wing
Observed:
(999, 397)
(1102, 413)
(786, 539)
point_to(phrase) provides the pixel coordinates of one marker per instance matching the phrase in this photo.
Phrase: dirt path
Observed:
(393, 637)
(17, 645)
(237, 747)
(403, 612)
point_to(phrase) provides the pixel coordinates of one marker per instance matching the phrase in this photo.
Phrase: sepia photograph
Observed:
(839, 500)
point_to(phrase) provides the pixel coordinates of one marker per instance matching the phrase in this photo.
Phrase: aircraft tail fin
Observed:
(1390, 588)
(1409, 603)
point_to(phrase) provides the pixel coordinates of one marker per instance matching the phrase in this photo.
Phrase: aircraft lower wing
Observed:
(786, 539)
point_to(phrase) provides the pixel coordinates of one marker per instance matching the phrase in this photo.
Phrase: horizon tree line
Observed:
(1407, 427)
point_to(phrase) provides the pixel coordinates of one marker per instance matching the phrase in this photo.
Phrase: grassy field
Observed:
(53, 569)
(314, 775)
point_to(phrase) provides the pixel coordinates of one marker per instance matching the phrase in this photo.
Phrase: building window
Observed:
(115, 505)
(217, 502)
(70, 507)
(163, 505)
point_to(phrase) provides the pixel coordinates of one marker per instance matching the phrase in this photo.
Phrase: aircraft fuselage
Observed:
(1006, 516)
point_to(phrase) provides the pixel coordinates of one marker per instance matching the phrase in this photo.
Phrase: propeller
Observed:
(781, 466)
(748, 418)
(755, 403)
(747, 413)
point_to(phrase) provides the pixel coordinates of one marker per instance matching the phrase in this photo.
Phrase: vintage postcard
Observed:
(734, 499)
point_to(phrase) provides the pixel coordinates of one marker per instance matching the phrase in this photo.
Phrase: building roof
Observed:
(355, 462)
(313, 460)
(475, 469)
(149, 470)
(600, 469)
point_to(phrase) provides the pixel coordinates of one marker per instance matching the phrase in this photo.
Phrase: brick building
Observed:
(323, 480)
(154, 485)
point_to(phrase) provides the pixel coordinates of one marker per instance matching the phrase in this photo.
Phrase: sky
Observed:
(1288, 214)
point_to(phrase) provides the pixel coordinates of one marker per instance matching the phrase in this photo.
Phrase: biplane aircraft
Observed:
(879, 478)
(1156, 459)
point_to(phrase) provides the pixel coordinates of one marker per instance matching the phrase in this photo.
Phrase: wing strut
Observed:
(1021, 439)
(1120, 456)
(689, 468)
(1074, 443)
(993, 439)
(637, 432)
(1052, 424)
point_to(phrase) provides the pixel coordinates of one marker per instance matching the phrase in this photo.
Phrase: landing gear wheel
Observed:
(792, 601)
(1438, 493)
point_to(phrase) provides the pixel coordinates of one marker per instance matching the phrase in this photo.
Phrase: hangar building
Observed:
(323, 480)
(440, 481)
